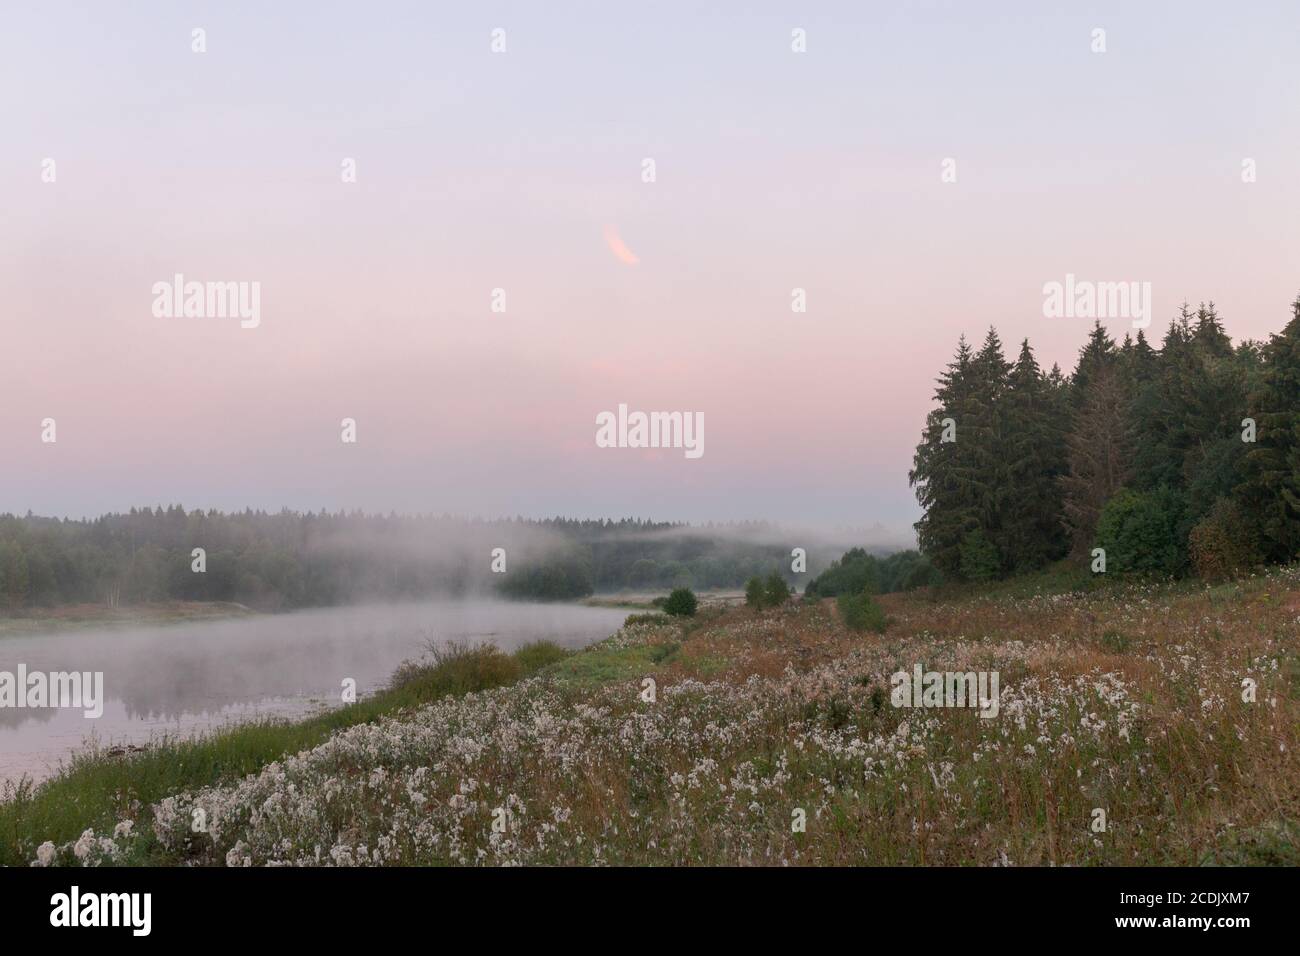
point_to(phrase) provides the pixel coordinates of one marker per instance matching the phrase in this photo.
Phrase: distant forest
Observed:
(291, 559)
(1160, 462)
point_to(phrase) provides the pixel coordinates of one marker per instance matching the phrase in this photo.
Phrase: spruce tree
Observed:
(988, 432)
(1033, 460)
(1217, 397)
(1158, 416)
(1097, 356)
(1209, 333)
(1270, 493)
(941, 469)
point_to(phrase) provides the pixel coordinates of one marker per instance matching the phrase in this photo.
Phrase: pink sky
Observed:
(477, 171)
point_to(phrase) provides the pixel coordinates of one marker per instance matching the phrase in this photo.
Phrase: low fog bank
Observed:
(286, 560)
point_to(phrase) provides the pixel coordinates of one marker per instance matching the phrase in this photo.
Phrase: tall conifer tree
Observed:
(941, 469)
(1033, 456)
(1271, 491)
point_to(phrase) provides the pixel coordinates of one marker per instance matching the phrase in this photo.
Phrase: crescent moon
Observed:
(619, 248)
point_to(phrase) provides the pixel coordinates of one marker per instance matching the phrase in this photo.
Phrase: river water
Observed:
(173, 680)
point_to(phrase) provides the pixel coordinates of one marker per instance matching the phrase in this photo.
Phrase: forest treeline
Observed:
(1172, 460)
(291, 559)
(860, 572)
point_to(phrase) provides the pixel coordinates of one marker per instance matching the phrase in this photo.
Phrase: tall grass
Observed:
(96, 789)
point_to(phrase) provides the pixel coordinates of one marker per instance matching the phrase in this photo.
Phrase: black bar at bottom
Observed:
(333, 906)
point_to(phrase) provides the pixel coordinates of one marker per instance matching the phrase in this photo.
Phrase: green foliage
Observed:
(860, 612)
(1001, 474)
(457, 668)
(634, 619)
(1036, 455)
(662, 653)
(1032, 459)
(290, 559)
(979, 557)
(1138, 530)
(859, 571)
(1270, 492)
(775, 591)
(562, 577)
(944, 464)
(13, 574)
(681, 603)
(921, 574)
(770, 592)
(535, 655)
(855, 571)
(1223, 543)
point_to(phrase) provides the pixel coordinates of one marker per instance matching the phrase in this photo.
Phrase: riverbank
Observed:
(645, 600)
(73, 616)
(1136, 725)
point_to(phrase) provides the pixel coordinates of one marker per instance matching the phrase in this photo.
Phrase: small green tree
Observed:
(754, 592)
(775, 590)
(860, 612)
(681, 603)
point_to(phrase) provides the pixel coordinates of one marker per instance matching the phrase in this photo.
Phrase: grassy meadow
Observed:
(770, 739)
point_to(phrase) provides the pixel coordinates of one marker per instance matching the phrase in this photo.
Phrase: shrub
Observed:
(754, 592)
(644, 619)
(535, 655)
(854, 573)
(662, 652)
(456, 668)
(1139, 532)
(1223, 543)
(775, 591)
(922, 574)
(860, 612)
(681, 603)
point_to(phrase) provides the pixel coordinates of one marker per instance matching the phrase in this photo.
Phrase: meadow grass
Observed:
(1171, 710)
(96, 788)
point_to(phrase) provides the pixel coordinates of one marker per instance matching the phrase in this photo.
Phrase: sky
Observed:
(523, 170)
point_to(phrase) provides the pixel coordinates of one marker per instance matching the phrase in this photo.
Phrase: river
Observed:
(179, 679)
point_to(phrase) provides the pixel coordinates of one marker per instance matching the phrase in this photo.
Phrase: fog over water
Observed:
(183, 678)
